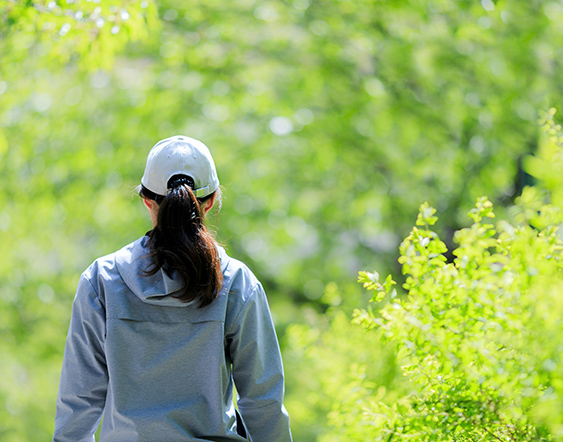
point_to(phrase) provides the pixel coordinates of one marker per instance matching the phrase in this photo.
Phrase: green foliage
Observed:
(547, 166)
(480, 338)
(89, 32)
(329, 120)
(332, 366)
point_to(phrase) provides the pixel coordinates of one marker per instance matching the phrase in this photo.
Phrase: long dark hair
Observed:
(181, 243)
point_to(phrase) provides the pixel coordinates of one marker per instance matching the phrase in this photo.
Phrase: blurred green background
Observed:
(329, 121)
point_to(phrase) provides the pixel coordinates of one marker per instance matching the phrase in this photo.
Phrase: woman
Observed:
(161, 328)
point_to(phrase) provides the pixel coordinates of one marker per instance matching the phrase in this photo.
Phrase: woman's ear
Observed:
(149, 203)
(153, 209)
(207, 205)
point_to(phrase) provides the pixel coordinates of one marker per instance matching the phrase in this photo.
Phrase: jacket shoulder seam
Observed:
(250, 296)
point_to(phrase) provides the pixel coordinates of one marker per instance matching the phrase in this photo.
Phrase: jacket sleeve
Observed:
(258, 371)
(83, 385)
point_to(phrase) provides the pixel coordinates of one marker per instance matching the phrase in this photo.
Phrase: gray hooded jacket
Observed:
(162, 370)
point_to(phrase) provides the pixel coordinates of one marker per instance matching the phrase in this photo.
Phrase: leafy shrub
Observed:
(332, 366)
(480, 338)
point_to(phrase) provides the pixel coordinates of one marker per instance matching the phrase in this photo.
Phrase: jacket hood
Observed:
(156, 289)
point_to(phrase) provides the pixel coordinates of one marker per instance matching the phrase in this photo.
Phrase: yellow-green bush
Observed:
(480, 338)
(331, 368)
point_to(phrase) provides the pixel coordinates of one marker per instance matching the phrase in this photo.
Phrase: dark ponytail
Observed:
(181, 243)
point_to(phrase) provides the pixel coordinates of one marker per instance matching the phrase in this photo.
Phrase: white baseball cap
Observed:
(180, 155)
